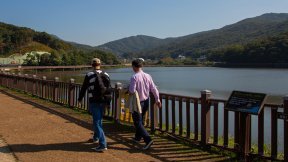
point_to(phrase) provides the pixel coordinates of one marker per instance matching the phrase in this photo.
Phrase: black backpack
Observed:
(103, 88)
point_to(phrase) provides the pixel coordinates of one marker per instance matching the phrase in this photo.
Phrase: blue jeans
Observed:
(138, 123)
(97, 113)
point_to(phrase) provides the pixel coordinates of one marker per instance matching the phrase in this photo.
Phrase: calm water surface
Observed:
(191, 80)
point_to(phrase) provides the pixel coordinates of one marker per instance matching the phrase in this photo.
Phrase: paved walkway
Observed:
(37, 133)
(5, 152)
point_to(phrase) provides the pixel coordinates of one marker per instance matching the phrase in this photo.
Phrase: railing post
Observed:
(18, 81)
(34, 92)
(153, 114)
(205, 116)
(71, 95)
(118, 87)
(43, 87)
(55, 89)
(25, 82)
(1, 77)
(14, 80)
(285, 129)
(7, 80)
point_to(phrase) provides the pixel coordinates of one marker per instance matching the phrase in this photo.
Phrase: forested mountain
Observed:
(197, 44)
(239, 33)
(134, 44)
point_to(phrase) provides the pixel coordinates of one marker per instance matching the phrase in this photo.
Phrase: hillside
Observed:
(272, 50)
(133, 44)
(14, 39)
(242, 32)
(20, 40)
(239, 33)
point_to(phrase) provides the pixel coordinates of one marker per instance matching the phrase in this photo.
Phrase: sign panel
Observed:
(282, 116)
(248, 102)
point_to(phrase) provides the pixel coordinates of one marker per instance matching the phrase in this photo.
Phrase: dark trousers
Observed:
(138, 122)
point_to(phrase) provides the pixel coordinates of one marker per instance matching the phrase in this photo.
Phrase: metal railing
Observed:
(196, 119)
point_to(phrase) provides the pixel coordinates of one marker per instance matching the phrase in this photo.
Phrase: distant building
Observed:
(19, 58)
(202, 58)
(181, 57)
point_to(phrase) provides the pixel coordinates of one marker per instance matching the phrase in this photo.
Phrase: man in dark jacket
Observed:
(96, 82)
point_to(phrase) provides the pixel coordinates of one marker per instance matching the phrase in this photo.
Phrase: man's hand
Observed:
(158, 103)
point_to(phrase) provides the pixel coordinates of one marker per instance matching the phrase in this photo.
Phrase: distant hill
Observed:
(14, 39)
(133, 44)
(242, 32)
(83, 47)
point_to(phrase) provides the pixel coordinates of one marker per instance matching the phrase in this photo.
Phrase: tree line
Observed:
(269, 50)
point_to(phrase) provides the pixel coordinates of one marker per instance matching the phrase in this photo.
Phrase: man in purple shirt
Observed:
(143, 84)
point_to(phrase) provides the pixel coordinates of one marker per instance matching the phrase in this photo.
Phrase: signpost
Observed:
(246, 103)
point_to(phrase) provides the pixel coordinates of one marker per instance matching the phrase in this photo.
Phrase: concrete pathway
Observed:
(48, 133)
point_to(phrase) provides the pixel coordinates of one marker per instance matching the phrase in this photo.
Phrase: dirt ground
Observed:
(52, 133)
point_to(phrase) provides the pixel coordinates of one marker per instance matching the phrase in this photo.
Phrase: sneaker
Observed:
(148, 145)
(135, 140)
(100, 149)
(91, 140)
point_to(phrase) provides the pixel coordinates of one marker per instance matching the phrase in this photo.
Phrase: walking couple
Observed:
(97, 82)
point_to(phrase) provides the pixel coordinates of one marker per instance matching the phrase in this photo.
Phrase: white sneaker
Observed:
(148, 145)
(99, 149)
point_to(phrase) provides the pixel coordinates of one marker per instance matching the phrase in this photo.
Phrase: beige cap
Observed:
(96, 60)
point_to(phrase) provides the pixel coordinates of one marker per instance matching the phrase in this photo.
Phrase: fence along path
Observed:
(206, 111)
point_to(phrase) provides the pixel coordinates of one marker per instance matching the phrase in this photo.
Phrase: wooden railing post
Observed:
(55, 89)
(34, 91)
(14, 80)
(19, 80)
(1, 78)
(285, 129)
(10, 80)
(153, 114)
(205, 116)
(25, 82)
(7, 80)
(43, 87)
(71, 94)
(118, 87)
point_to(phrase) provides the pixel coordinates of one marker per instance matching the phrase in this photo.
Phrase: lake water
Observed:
(191, 80)
(221, 81)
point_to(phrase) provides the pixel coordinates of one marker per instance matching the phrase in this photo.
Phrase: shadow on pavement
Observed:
(163, 149)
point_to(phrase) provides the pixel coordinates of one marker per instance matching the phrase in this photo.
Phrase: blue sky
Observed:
(95, 22)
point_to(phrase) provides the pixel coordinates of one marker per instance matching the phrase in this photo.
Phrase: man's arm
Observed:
(83, 88)
(132, 85)
(155, 92)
